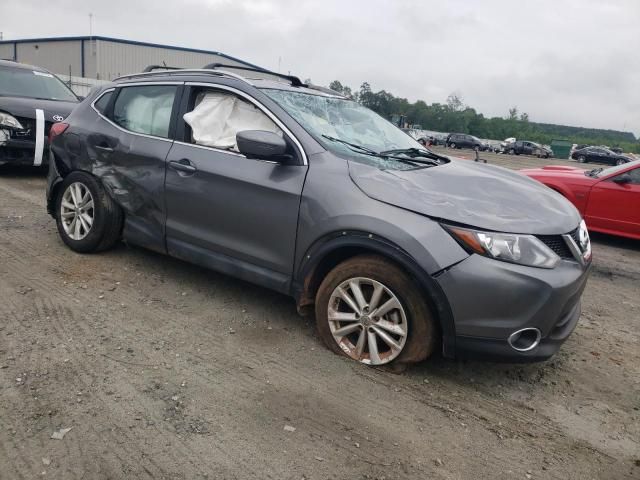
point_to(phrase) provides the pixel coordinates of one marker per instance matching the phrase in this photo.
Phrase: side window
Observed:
(145, 109)
(635, 176)
(216, 116)
(103, 101)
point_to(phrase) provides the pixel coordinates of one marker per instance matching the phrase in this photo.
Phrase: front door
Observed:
(615, 206)
(225, 211)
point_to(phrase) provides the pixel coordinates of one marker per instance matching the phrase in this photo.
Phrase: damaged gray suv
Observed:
(399, 251)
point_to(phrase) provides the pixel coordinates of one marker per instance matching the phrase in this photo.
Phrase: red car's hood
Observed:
(555, 170)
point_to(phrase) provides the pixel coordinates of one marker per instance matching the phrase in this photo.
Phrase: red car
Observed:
(607, 198)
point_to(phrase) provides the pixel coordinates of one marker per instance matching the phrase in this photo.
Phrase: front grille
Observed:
(558, 245)
(28, 131)
(576, 237)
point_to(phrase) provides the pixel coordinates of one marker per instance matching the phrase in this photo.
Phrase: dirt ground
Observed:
(164, 370)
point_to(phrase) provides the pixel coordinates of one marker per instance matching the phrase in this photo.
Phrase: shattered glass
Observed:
(348, 121)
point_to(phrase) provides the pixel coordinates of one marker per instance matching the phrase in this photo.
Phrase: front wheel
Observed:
(452, 145)
(88, 220)
(582, 159)
(620, 161)
(371, 311)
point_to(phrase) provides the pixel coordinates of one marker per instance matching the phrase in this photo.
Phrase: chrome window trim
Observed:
(108, 120)
(264, 109)
(206, 147)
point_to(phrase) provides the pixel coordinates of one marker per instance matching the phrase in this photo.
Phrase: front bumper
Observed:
(22, 153)
(491, 299)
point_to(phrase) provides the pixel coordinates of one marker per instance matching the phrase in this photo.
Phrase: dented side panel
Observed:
(130, 166)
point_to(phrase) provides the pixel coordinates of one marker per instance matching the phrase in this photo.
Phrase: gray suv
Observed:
(399, 251)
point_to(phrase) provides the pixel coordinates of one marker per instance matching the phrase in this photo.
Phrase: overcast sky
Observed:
(575, 62)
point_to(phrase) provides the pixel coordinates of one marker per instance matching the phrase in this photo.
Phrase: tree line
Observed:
(455, 116)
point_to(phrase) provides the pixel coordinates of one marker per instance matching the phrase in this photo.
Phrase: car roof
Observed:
(209, 76)
(23, 66)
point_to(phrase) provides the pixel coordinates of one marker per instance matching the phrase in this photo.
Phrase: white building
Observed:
(87, 61)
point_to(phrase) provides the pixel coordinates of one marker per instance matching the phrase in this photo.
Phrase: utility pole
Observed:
(90, 24)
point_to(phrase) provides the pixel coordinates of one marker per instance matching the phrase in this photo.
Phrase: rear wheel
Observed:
(512, 151)
(452, 145)
(582, 159)
(620, 161)
(371, 311)
(88, 220)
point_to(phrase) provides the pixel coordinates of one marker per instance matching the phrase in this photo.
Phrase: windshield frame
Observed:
(43, 73)
(375, 157)
(615, 170)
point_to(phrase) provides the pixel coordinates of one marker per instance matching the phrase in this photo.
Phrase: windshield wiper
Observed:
(387, 154)
(416, 152)
(593, 173)
(353, 145)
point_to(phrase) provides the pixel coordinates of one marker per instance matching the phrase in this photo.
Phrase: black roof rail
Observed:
(151, 68)
(327, 90)
(295, 81)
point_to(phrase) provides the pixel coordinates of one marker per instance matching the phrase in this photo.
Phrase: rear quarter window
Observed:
(103, 101)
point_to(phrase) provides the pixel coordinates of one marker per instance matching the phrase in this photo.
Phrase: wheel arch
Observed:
(333, 249)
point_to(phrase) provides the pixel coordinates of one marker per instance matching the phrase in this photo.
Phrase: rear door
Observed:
(616, 206)
(225, 211)
(130, 147)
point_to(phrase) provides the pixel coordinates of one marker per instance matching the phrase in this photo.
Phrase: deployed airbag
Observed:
(218, 116)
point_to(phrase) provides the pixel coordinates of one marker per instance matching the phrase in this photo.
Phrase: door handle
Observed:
(183, 166)
(103, 148)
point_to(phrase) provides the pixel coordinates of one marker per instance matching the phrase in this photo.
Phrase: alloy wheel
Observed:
(77, 211)
(367, 321)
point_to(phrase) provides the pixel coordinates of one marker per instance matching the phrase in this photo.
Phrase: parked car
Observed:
(462, 140)
(492, 145)
(599, 155)
(398, 250)
(607, 198)
(31, 100)
(524, 147)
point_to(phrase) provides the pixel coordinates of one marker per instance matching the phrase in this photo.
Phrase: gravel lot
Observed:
(164, 370)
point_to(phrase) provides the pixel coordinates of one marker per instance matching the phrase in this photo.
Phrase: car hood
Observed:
(469, 193)
(556, 171)
(26, 107)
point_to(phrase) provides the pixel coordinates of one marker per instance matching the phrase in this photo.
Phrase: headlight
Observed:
(10, 121)
(508, 247)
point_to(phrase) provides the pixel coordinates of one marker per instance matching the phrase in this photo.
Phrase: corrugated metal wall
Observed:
(103, 59)
(59, 57)
(115, 59)
(6, 51)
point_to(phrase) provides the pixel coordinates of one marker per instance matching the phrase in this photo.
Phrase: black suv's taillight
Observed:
(57, 129)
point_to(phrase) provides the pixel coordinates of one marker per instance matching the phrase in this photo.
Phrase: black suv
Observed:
(31, 100)
(463, 140)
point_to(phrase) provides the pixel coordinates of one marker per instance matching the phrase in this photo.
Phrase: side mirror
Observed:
(622, 179)
(261, 144)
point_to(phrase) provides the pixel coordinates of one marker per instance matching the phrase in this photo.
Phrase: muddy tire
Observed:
(87, 218)
(370, 310)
